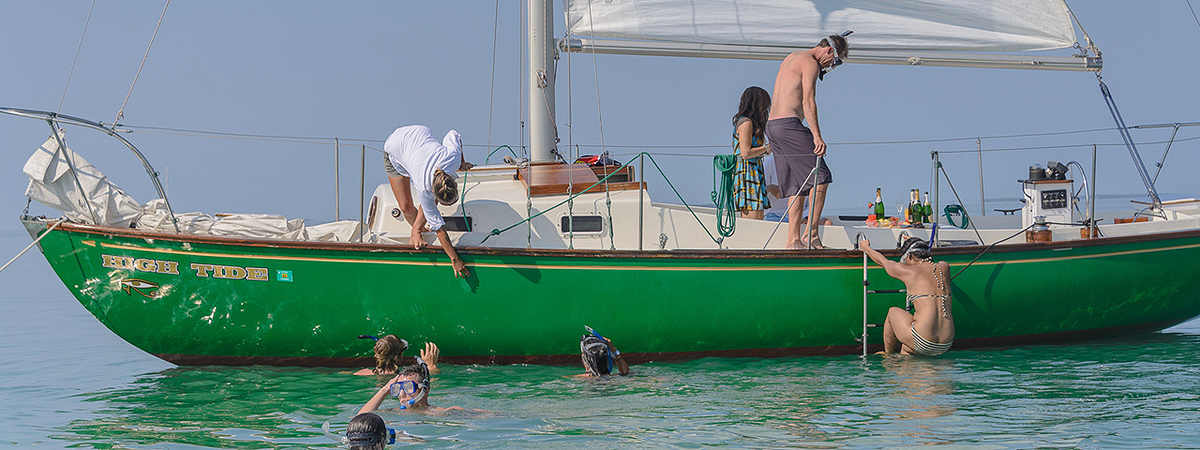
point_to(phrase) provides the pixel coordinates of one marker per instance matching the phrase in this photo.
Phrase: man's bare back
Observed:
(787, 100)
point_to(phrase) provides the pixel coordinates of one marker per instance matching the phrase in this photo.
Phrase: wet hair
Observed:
(754, 106)
(445, 189)
(367, 431)
(594, 352)
(915, 248)
(838, 42)
(419, 370)
(388, 351)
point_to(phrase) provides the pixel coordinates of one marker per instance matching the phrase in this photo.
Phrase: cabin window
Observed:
(582, 224)
(459, 223)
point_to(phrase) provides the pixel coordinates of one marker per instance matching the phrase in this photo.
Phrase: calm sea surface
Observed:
(66, 381)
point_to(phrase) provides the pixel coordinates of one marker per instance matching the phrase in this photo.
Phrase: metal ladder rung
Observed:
(866, 290)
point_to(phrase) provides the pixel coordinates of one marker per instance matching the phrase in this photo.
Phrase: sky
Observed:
(357, 70)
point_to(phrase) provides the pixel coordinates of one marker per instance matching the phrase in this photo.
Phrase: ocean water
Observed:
(66, 381)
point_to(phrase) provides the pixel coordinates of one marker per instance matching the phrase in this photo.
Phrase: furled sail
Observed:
(885, 31)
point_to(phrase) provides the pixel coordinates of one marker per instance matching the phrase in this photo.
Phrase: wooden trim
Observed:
(565, 179)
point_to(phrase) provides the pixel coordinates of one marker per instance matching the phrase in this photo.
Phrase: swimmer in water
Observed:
(600, 356)
(929, 330)
(411, 386)
(368, 431)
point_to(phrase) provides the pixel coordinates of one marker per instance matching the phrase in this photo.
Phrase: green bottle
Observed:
(928, 209)
(880, 211)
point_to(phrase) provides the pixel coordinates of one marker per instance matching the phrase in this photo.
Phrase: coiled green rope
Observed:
(723, 196)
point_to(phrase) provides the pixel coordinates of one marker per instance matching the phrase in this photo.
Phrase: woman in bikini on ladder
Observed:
(929, 330)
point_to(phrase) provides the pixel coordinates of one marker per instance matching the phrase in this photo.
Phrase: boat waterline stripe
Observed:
(600, 267)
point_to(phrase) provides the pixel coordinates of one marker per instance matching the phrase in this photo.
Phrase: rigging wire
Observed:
(326, 140)
(121, 112)
(73, 61)
(492, 93)
(1189, 3)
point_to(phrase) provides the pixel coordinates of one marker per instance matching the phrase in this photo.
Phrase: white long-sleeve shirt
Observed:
(415, 154)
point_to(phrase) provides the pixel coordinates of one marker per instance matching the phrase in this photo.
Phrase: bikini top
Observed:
(941, 284)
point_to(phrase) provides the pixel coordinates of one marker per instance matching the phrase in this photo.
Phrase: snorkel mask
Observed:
(913, 247)
(596, 353)
(837, 60)
(411, 387)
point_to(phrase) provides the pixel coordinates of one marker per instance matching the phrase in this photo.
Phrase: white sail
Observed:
(885, 31)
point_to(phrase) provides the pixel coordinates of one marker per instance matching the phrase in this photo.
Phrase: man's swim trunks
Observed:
(792, 143)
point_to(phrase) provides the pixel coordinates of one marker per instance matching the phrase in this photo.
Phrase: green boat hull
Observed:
(208, 300)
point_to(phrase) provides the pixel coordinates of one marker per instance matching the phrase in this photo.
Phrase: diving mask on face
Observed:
(404, 387)
(837, 60)
(412, 387)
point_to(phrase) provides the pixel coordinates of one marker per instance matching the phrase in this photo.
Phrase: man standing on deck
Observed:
(798, 149)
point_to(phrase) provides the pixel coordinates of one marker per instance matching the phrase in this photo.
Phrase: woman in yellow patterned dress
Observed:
(749, 185)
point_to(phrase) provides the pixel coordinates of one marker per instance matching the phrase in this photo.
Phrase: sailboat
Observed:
(554, 245)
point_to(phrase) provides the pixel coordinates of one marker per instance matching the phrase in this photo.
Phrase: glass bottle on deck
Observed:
(927, 209)
(880, 211)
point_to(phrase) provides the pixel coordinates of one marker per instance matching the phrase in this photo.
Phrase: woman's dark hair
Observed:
(755, 105)
(388, 351)
(367, 431)
(594, 352)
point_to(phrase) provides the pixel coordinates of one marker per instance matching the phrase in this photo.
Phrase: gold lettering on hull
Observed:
(230, 272)
(172, 268)
(140, 264)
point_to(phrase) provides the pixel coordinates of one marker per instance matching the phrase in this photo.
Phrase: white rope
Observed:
(121, 112)
(31, 244)
(77, 48)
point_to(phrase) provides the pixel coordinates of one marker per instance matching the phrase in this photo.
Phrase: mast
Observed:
(542, 135)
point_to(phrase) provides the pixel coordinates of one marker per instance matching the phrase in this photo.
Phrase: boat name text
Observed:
(172, 268)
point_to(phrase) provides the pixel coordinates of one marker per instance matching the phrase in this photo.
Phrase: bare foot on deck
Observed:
(816, 244)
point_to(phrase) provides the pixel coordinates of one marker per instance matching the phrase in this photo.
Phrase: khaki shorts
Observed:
(387, 167)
